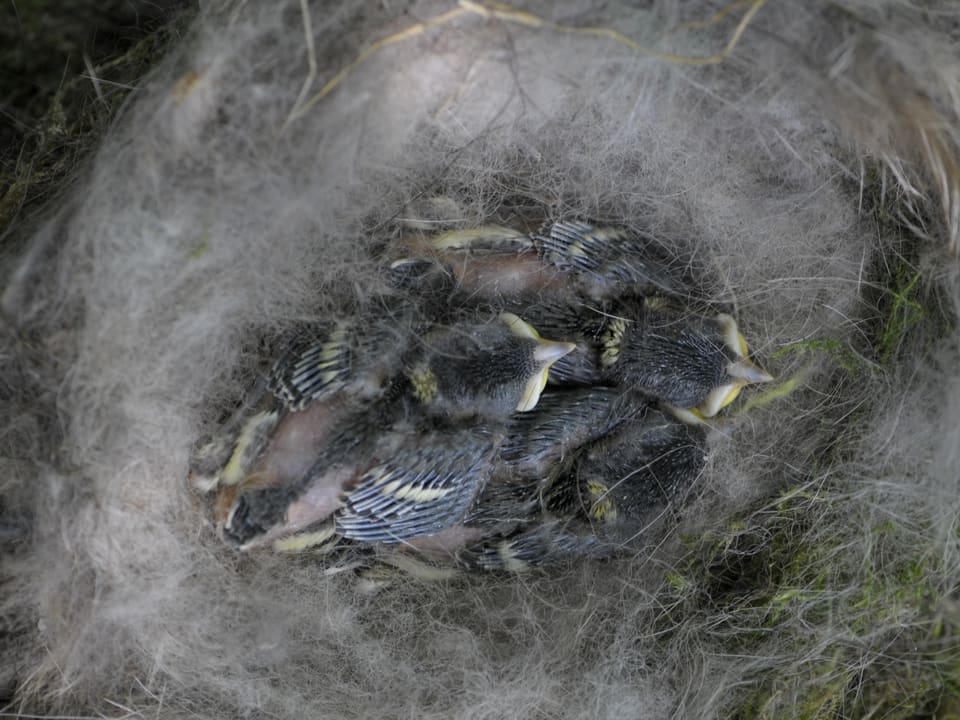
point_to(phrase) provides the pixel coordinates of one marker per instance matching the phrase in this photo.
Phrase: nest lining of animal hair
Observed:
(804, 156)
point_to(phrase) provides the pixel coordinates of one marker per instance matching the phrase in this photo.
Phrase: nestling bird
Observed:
(351, 361)
(630, 476)
(606, 260)
(357, 355)
(546, 542)
(652, 345)
(581, 476)
(488, 369)
(563, 259)
(466, 366)
(599, 506)
(256, 498)
(538, 443)
(533, 448)
(421, 483)
(374, 484)
(536, 447)
(464, 276)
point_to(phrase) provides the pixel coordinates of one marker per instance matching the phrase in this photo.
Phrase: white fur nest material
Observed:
(229, 201)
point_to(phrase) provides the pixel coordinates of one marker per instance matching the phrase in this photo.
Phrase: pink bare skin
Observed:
(296, 441)
(505, 274)
(290, 454)
(319, 502)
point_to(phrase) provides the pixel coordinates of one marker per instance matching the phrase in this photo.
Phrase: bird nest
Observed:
(304, 227)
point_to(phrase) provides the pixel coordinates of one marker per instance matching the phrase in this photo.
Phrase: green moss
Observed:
(822, 701)
(676, 581)
(908, 309)
(901, 311)
(852, 614)
(847, 611)
(837, 349)
(203, 244)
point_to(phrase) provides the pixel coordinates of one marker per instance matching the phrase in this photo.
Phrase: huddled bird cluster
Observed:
(504, 400)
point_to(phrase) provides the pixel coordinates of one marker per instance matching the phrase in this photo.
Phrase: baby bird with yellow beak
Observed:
(674, 355)
(489, 369)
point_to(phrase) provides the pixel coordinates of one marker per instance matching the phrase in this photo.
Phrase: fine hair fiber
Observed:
(801, 157)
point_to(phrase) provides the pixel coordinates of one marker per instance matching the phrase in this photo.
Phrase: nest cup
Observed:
(247, 187)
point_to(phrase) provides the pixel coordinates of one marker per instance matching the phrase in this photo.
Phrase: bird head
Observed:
(740, 371)
(545, 354)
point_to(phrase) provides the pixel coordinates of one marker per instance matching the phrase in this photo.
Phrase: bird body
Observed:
(650, 345)
(631, 475)
(489, 369)
(543, 543)
(565, 258)
(298, 477)
(374, 484)
(538, 443)
(574, 478)
(420, 484)
(685, 360)
(605, 260)
(355, 356)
